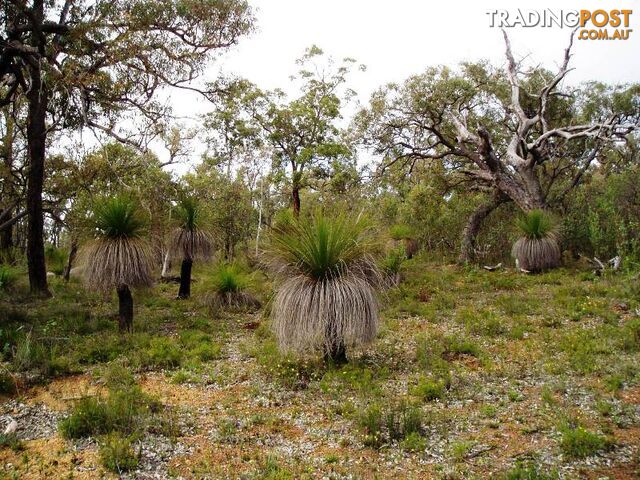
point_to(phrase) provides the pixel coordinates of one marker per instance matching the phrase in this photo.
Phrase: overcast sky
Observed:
(395, 39)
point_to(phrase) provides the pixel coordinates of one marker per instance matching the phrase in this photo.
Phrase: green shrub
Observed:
(7, 384)
(414, 442)
(230, 284)
(163, 352)
(56, 259)
(370, 421)
(577, 442)
(10, 440)
(430, 389)
(396, 422)
(401, 232)
(206, 352)
(392, 262)
(117, 454)
(123, 411)
(461, 346)
(8, 277)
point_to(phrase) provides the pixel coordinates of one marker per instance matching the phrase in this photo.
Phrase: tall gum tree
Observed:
(512, 133)
(303, 133)
(84, 64)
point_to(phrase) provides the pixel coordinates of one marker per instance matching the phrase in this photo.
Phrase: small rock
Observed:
(11, 428)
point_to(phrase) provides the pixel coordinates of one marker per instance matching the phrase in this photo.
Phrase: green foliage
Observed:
(117, 454)
(124, 410)
(118, 217)
(10, 440)
(414, 442)
(320, 246)
(535, 224)
(430, 389)
(397, 421)
(272, 470)
(229, 278)
(392, 262)
(56, 259)
(401, 232)
(602, 217)
(188, 213)
(577, 442)
(163, 352)
(8, 276)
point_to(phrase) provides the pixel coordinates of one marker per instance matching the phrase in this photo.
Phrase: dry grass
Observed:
(109, 262)
(537, 254)
(190, 244)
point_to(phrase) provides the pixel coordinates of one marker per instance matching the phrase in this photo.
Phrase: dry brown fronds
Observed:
(315, 315)
(109, 262)
(190, 244)
(537, 254)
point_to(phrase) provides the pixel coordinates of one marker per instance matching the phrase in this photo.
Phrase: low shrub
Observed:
(124, 410)
(8, 277)
(577, 442)
(117, 454)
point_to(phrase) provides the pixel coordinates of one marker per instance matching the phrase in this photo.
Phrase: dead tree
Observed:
(498, 130)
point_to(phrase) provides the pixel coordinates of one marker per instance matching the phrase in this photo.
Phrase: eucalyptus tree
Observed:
(303, 133)
(85, 63)
(516, 135)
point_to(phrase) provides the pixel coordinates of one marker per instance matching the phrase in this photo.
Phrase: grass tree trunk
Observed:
(474, 223)
(185, 278)
(335, 353)
(125, 315)
(72, 256)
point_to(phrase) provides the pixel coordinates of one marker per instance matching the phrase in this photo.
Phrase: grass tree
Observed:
(190, 241)
(538, 248)
(230, 290)
(119, 256)
(326, 300)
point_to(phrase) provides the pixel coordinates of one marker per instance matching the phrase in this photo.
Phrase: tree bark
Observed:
(185, 278)
(37, 98)
(471, 230)
(72, 256)
(6, 234)
(295, 195)
(125, 315)
(166, 265)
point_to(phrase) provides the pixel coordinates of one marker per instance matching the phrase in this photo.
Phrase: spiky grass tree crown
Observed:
(320, 247)
(538, 249)
(119, 255)
(326, 300)
(190, 239)
(229, 278)
(118, 217)
(536, 224)
(230, 286)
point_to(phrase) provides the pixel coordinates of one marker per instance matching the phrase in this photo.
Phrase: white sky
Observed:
(402, 37)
